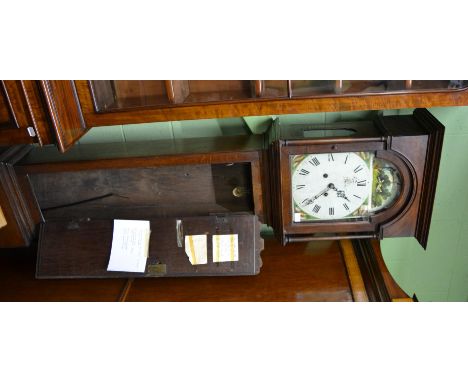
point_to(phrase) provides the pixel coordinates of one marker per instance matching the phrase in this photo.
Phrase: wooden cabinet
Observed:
(60, 112)
(126, 102)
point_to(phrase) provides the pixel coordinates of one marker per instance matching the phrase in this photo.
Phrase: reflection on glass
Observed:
(4, 115)
(323, 133)
(308, 88)
(110, 95)
(275, 89)
(120, 94)
(212, 91)
(304, 88)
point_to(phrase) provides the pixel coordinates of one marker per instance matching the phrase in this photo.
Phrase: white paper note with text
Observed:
(130, 245)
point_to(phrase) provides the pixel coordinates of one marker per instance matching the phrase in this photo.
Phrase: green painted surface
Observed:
(441, 272)
(438, 274)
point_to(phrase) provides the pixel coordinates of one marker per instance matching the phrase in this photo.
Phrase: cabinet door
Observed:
(112, 102)
(22, 116)
(65, 112)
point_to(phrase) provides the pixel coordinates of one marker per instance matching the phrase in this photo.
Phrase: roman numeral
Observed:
(331, 211)
(345, 206)
(299, 186)
(330, 158)
(357, 196)
(303, 172)
(358, 168)
(361, 183)
(346, 159)
(316, 208)
(314, 161)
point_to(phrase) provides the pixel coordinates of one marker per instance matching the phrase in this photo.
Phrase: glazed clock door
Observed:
(331, 186)
(338, 186)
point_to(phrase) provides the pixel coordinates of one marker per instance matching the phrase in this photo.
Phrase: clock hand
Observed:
(340, 193)
(310, 201)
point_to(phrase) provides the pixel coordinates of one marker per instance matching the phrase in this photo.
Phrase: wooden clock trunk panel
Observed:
(84, 247)
(186, 190)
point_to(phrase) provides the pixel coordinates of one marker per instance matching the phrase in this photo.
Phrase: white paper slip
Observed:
(130, 245)
(195, 249)
(225, 248)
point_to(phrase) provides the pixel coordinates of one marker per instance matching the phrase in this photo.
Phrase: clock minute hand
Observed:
(310, 201)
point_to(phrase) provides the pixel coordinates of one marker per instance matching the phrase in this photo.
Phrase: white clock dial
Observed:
(331, 186)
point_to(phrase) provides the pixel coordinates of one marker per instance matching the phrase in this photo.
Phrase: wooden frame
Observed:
(412, 143)
(407, 194)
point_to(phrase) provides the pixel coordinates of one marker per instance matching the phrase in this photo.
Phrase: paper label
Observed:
(3, 221)
(225, 248)
(130, 245)
(196, 249)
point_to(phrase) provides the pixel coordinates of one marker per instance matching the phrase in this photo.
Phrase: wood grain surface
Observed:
(298, 272)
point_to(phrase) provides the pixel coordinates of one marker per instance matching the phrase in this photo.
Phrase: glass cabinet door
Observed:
(122, 94)
(323, 88)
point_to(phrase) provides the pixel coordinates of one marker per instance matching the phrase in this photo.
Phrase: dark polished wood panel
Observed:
(297, 272)
(81, 248)
(65, 112)
(143, 192)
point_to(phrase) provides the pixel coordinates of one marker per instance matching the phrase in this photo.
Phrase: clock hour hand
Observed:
(339, 193)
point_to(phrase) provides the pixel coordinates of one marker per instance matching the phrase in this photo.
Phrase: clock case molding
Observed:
(413, 143)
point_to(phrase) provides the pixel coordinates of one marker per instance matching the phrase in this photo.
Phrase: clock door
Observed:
(341, 186)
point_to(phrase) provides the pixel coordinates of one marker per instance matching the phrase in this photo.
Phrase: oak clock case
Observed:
(199, 186)
(370, 179)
